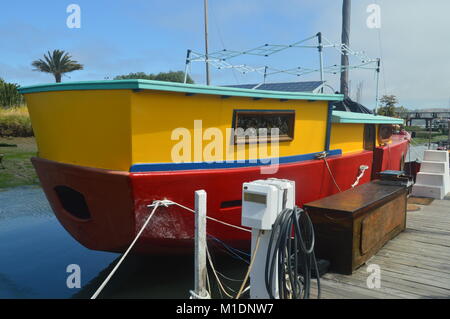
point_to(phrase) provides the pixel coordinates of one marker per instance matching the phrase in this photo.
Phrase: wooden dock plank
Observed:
(415, 264)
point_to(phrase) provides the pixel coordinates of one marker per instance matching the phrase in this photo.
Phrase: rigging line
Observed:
(380, 46)
(382, 64)
(215, 274)
(262, 50)
(105, 282)
(228, 288)
(228, 278)
(221, 40)
(229, 251)
(232, 248)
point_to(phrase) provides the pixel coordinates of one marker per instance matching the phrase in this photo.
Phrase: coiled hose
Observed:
(291, 255)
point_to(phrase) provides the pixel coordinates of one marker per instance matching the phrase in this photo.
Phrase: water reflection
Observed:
(35, 251)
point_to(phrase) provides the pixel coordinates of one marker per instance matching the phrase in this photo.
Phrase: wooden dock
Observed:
(414, 265)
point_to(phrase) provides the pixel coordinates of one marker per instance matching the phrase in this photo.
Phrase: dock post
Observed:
(200, 244)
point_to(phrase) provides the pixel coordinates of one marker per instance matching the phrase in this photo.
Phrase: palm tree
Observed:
(58, 62)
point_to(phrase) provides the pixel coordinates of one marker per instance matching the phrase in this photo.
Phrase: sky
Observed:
(118, 37)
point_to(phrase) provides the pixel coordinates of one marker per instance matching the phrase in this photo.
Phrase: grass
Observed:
(17, 169)
(422, 135)
(434, 139)
(15, 121)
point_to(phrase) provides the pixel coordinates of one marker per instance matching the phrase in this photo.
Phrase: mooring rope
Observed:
(155, 205)
(105, 282)
(331, 174)
(208, 217)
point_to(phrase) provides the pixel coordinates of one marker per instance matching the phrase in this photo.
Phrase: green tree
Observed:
(171, 76)
(58, 63)
(400, 111)
(9, 94)
(388, 105)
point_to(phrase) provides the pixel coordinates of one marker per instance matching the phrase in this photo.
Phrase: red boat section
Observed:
(107, 195)
(113, 205)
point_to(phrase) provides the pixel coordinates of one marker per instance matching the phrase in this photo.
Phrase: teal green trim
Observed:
(353, 117)
(177, 87)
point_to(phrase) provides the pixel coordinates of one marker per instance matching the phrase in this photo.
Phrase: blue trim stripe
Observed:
(161, 167)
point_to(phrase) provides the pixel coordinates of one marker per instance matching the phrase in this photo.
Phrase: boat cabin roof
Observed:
(144, 85)
(138, 85)
(353, 117)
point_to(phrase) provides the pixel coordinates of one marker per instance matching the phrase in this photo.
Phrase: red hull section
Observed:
(117, 202)
(107, 194)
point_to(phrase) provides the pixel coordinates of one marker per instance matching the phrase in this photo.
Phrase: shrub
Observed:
(9, 95)
(426, 134)
(171, 76)
(15, 122)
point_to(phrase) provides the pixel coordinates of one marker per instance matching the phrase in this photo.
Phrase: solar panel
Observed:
(307, 86)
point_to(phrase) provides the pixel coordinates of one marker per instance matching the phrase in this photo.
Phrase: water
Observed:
(35, 251)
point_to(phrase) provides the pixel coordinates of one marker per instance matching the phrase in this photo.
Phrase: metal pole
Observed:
(206, 42)
(448, 128)
(346, 12)
(320, 47)
(429, 133)
(188, 55)
(200, 243)
(265, 74)
(377, 86)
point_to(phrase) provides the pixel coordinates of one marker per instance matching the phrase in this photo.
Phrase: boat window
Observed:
(369, 137)
(384, 133)
(250, 126)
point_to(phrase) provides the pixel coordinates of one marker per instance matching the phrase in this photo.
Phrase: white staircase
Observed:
(433, 180)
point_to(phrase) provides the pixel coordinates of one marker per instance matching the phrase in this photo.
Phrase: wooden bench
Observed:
(351, 226)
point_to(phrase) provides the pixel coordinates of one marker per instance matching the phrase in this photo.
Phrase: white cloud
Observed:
(415, 49)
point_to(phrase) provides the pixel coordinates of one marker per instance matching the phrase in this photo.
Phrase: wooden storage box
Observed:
(350, 227)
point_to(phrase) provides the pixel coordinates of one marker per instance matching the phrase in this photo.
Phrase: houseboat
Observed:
(108, 149)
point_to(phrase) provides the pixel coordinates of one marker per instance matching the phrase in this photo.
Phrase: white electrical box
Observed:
(263, 200)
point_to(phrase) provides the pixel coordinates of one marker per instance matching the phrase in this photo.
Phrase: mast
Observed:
(346, 12)
(206, 42)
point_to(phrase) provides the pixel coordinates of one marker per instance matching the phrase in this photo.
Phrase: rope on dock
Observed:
(156, 204)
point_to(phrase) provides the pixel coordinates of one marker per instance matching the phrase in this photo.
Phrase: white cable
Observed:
(194, 295)
(246, 289)
(258, 239)
(99, 290)
(363, 169)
